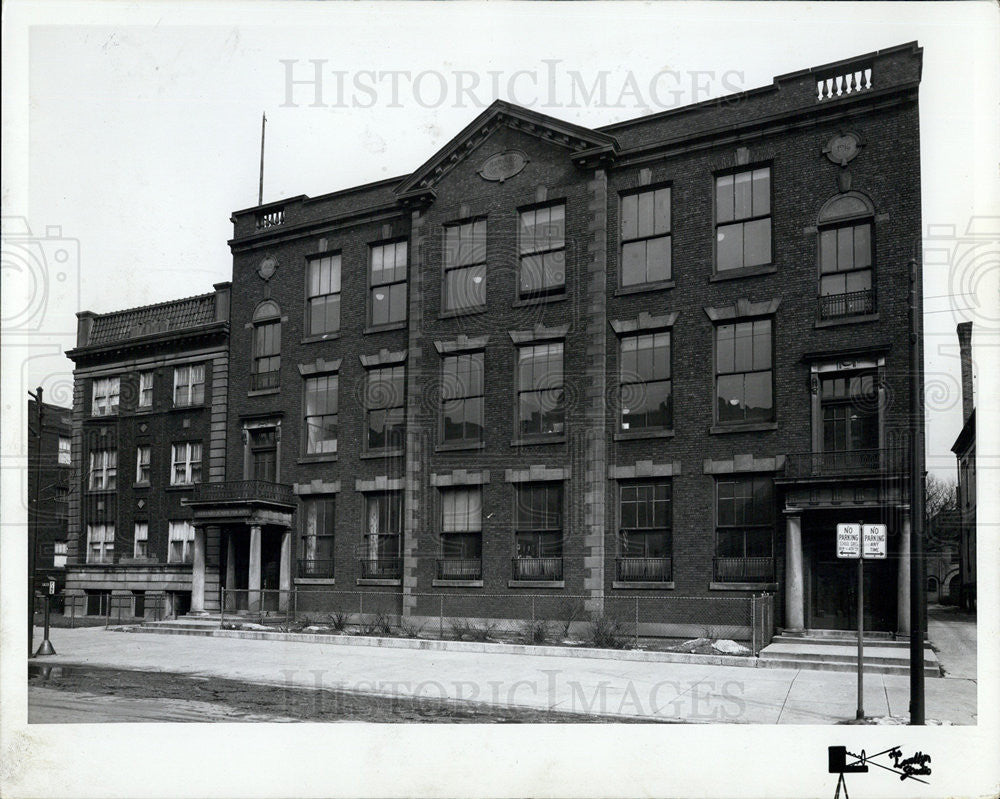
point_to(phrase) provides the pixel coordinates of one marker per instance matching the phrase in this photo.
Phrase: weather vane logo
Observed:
(906, 768)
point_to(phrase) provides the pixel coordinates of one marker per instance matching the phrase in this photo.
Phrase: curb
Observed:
(634, 655)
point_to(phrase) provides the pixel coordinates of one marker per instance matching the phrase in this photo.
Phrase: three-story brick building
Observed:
(660, 358)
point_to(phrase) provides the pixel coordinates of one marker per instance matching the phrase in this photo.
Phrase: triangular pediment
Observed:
(583, 144)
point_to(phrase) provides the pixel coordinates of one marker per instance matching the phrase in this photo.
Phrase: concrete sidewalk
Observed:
(673, 691)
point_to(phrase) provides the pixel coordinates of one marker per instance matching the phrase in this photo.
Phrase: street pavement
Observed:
(953, 634)
(658, 691)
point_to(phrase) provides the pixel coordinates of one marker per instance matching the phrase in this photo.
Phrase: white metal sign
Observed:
(873, 541)
(849, 540)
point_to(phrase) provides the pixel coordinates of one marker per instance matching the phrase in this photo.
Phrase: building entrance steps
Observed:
(840, 653)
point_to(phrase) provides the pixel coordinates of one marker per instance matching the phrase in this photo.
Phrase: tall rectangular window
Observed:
(845, 265)
(185, 463)
(744, 379)
(141, 540)
(743, 219)
(100, 543)
(388, 283)
(540, 391)
(145, 389)
(180, 542)
(103, 470)
(744, 517)
(850, 412)
(384, 514)
(462, 398)
(266, 355)
(104, 401)
(60, 554)
(65, 451)
(384, 401)
(323, 295)
(538, 531)
(321, 413)
(645, 533)
(142, 464)
(542, 245)
(316, 553)
(645, 232)
(263, 443)
(465, 265)
(646, 398)
(189, 384)
(462, 523)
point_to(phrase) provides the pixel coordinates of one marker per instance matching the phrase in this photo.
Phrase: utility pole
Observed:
(33, 516)
(918, 584)
(260, 185)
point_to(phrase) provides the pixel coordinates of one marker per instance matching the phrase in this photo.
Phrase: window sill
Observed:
(315, 581)
(263, 392)
(640, 288)
(744, 271)
(187, 487)
(536, 583)
(521, 303)
(194, 406)
(382, 453)
(385, 328)
(322, 337)
(847, 320)
(141, 485)
(665, 586)
(144, 410)
(100, 491)
(635, 435)
(457, 583)
(459, 447)
(331, 457)
(742, 428)
(539, 440)
(379, 581)
(742, 586)
(462, 312)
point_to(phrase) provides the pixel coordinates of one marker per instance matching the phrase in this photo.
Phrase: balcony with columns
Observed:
(241, 515)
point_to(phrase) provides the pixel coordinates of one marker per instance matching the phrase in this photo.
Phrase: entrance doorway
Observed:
(832, 585)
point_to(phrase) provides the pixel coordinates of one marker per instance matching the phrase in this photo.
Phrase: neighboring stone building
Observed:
(965, 451)
(53, 481)
(149, 413)
(658, 359)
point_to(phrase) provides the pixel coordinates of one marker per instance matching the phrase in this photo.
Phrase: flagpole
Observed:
(260, 186)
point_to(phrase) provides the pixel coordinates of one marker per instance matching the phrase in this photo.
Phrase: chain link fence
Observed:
(681, 623)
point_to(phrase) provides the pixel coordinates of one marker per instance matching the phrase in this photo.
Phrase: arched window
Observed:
(846, 257)
(266, 361)
(932, 584)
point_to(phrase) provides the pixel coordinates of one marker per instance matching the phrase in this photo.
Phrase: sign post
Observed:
(861, 541)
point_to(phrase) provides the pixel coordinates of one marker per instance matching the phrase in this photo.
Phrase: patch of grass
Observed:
(465, 630)
(536, 631)
(338, 620)
(605, 632)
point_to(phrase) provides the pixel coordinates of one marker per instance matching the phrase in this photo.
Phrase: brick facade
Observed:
(785, 127)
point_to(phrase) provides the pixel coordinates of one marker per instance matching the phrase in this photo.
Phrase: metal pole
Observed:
(33, 518)
(260, 186)
(861, 627)
(918, 585)
(46, 648)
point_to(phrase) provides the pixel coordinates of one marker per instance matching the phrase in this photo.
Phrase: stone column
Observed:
(198, 572)
(230, 569)
(903, 581)
(253, 576)
(794, 579)
(285, 571)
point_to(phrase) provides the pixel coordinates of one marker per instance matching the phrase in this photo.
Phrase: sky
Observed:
(143, 134)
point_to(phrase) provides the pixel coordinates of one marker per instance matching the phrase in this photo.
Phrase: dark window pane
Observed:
(634, 263)
(729, 247)
(658, 259)
(757, 243)
(724, 198)
(630, 205)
